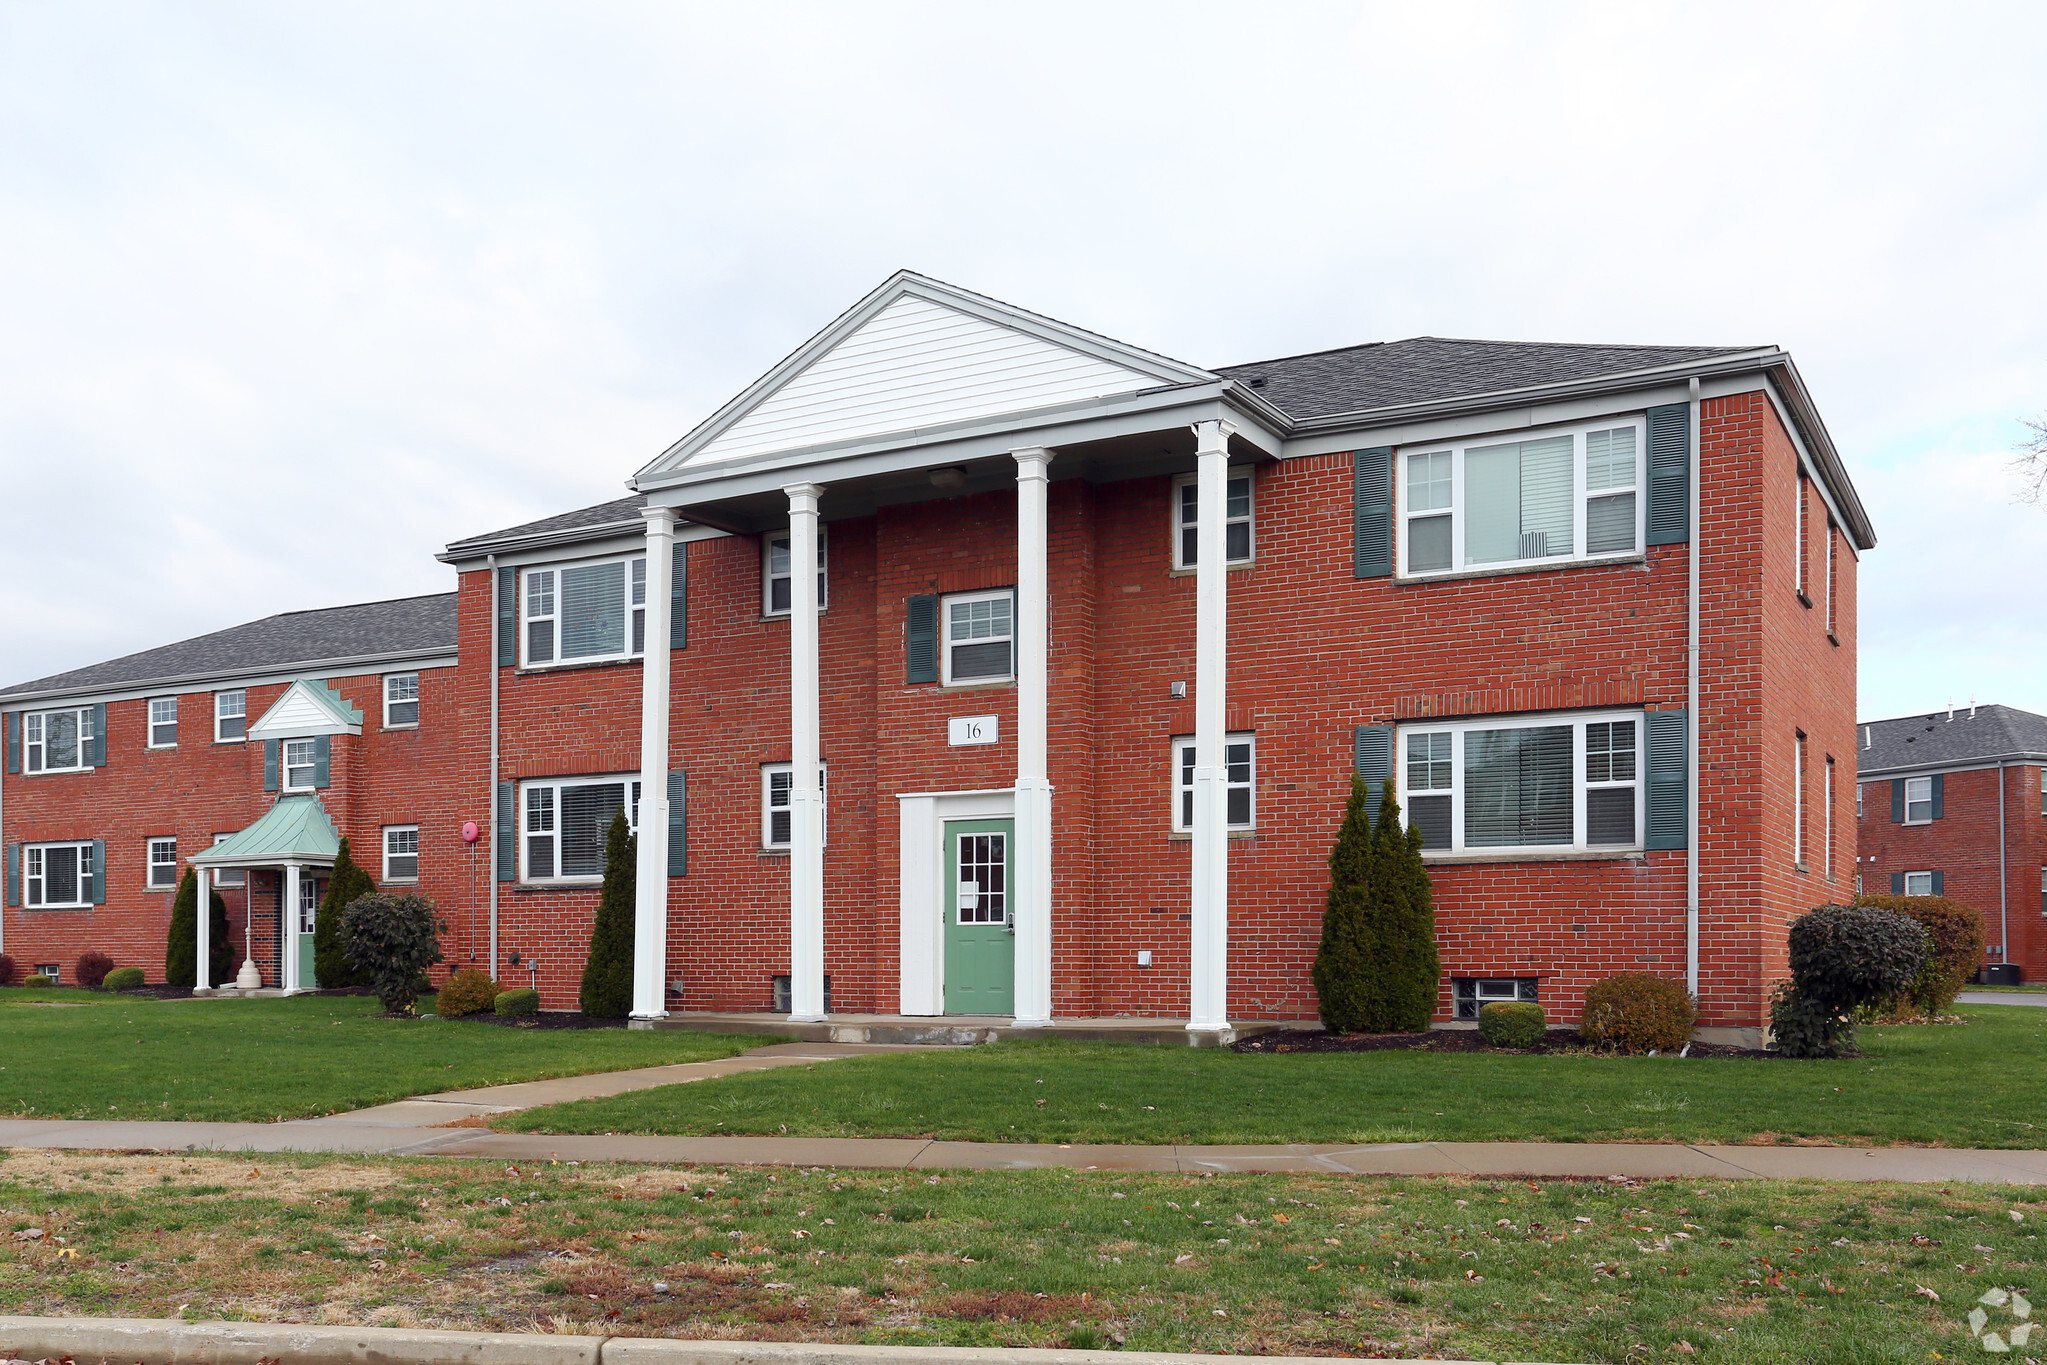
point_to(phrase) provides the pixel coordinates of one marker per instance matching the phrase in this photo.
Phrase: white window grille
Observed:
(585, 613)
(230, 716)
(566, 822)
(776, 590)
(1560, 783)
(163, 862)
(57, 876)
(1239, 525)
(401, 853)
(1239, 766)
(401, 700)
(980, 636)
(778, 780)
(163, 722)
(57, 741)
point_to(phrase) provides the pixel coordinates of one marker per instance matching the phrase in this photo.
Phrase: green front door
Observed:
(980, 938)
(308, 912)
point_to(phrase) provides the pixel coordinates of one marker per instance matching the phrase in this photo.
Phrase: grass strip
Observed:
(1558, 1270)
(1968, 1085)
(86, 1055)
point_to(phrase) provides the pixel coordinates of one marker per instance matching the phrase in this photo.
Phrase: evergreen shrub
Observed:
(346, 882)
(1638, 1012)
(607, 991)
(181, 950)
(92, 968)
(394, 937)
(1842, 957)
(36, 980)
(516, 1003)
(1955, 943)
(1512, 1023)
(468, 991)
(123, 979)
(1377, 968)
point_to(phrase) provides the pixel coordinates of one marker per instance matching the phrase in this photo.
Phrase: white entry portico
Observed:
(919, 393)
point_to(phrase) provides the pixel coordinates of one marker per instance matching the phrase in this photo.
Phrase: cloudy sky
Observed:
(292, 294)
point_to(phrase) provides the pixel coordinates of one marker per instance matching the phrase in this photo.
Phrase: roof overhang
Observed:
(441, 656)
(295, 830)
(1973, 763)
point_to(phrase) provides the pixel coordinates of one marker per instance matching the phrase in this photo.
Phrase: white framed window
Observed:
(297, 760)
(401, 701)
(163, 862)
(1474, 993)
(401, 853)
(776, 591)
(53, 970)
(1555, 783)
(226, 876)
(1561, 495)
(57, 876)
(57, 741)
(1918, 883)
(1240, 756)
(1798, 839)
(778, 780)
(584, 613)
(1827, 815)
(1918, 800)
(1858, 800)
(1239, 527)
(1833, 547)
(564, 823)
(163, 722)
(980, 637)
(230, 716)
(1803, 554)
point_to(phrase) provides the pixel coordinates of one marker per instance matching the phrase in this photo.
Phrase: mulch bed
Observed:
(1444, 1040)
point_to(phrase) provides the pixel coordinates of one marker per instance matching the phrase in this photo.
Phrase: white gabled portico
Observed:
(922, 392)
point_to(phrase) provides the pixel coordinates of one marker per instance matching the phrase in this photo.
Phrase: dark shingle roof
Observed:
(1933, 741)
(618, 512)
(295, 638)
(1431, 369)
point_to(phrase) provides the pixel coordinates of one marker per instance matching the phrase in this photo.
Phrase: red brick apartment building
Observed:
(1059, 719)
(1952, 804)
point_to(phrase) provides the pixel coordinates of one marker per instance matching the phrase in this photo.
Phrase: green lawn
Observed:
(84, 1054)
(1981, 1084)
(1578, 1271)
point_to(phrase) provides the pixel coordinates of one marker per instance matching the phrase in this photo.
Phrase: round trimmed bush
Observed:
(35, 980)
(10, 970)
(1638, 1012)
(93, 966)
(468, 991)
(1842, 958)
(1512, 1023)
(123, 979)
(517, 1003)
(1954, 941)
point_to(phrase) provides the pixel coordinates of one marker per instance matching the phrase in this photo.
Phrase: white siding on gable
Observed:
(918, 364)
(295, 713)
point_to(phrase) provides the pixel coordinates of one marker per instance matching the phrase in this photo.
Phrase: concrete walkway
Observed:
(2002, 998)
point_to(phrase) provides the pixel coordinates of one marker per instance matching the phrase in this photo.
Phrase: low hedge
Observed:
(517, 1003)
(468, 991)
(36, 980)
(1954, 942)
(1512, 1023)
(1638, 1012)
(123, 979)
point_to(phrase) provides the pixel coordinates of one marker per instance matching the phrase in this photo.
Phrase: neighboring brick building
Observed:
(1951, 804)
(1101, 641)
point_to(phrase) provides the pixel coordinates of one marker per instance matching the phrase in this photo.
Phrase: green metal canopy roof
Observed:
(294, 830)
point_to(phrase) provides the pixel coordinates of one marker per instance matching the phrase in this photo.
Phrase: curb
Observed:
(172, 1341)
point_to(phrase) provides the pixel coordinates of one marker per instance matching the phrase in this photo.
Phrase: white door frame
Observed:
(921, 869)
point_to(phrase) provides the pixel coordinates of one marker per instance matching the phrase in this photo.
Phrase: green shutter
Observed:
(270, 765)
(1897, 883)
(14, 874)
(14, 741)
(323, 753)
(508, 618)
(504, 839)
(1670, 474)
(921, 640)
(99, 872)
(1939, 800)
(1665, 824)
(1372, 755)
(678, 824)
(99, 734)
(1939, 882)
(678, 598)
(1372, 515)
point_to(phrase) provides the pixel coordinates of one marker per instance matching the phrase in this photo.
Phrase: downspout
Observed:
(2003, 910)
(1692, 702)
(491, 657)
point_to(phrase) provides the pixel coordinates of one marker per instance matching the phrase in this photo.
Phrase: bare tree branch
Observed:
(2031, 465)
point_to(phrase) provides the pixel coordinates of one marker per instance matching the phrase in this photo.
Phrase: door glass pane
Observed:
(592, 610)
(1517, 787)
(983, 862)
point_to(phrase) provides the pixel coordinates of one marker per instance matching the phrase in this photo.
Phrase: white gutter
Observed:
(491, 805)
(1692, 705)
(2003, 907)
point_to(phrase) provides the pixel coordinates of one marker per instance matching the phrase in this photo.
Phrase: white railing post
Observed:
(650, 905)
(1209, 918)
(1033, 889)
(806, 826)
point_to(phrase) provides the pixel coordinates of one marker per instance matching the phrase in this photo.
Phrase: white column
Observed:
(806, 825)
(1033, 856)
(202, 980)
(288, 931)
(650, 908)
(1208, 985)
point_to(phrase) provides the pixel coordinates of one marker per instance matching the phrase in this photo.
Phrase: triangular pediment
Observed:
(308, 707)
(914, 356)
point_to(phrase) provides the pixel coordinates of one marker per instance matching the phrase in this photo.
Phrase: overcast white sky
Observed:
(292, 295)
